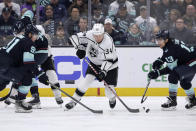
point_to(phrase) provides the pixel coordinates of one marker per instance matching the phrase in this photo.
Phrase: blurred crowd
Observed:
(126, 21)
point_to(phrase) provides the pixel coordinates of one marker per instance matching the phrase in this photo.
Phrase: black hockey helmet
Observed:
(31, 29)
(164, 34)
(18, 27)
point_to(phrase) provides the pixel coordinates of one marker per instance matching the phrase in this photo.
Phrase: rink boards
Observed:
(134, 65)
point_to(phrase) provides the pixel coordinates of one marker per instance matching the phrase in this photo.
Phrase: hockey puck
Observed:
(146, 109)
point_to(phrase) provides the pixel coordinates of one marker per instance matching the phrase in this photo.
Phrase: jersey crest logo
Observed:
(93, 52)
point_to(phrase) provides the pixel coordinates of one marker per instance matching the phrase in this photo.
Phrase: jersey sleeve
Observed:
(79, 41)
(165, 71)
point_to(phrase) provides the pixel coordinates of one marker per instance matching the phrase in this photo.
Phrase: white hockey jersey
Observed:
(101, 54)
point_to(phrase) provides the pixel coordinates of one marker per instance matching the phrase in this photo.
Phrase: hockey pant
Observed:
(48, 67)
(185, 75)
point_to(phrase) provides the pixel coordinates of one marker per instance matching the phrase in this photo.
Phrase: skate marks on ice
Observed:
(51, 117)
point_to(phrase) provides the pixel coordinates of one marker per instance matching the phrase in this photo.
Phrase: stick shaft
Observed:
(129, 109)
(92, 110)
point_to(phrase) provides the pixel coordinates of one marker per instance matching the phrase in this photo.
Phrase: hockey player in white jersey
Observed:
(98, 46)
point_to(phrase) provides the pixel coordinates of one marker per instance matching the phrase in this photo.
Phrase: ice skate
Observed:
(7, 102)
(10, 100)
(191, 103)
(22, 107)
(112, 102)
(59, 101)
(58, 98)
(70, 105)
(170, 105)
(35, 102)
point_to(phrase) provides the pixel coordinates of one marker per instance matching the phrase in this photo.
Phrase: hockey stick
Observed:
(92, 110)
(13, 81)
(129, 109)
(145, 97)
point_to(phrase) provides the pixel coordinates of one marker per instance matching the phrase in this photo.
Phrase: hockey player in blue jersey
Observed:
(181, 66)
(18, 62)
(47, 66)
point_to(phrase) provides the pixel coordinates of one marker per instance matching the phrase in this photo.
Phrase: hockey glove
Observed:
(82, 46)
(153, 74)
(81, 53)
(43, 78)
(101, 75)
(157, 64)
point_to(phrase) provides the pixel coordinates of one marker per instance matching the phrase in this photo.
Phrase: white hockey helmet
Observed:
(98, 29)
(41, 29)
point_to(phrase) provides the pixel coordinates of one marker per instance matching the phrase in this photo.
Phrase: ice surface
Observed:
(53, 118)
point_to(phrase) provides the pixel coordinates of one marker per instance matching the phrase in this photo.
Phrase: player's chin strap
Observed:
(129, 109)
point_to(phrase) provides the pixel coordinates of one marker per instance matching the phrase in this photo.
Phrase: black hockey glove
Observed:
(43, 78)
(157, 64)
(81, 53)
(101, 75)
(153, 74)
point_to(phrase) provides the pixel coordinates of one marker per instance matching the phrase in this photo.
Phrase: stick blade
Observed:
(97, 111)
(133, 110)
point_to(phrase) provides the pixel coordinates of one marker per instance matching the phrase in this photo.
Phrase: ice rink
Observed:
(53, 118)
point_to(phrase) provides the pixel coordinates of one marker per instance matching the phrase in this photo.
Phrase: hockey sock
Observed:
(21, 96)
(173, 89)
(109, 93)
(78, 94)
(34, 87)
(55, 91)
(23, 91)
(57, 84)
(34, 90)
(190, 92)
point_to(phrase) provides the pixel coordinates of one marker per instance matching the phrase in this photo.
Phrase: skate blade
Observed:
(12, 101)
(6, 105)
(23, 111)
(36, 106)
(60, 105)
(193, 108)
(169, 109)
(66, 109)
